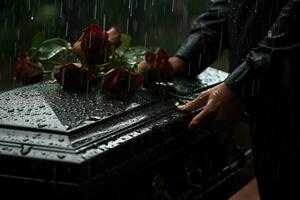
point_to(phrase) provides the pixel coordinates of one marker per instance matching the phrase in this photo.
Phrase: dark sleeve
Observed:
(208, 35)
(283, 34)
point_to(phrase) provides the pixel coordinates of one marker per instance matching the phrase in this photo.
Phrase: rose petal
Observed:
(73, 77)
(28, 72)
(114, 36)
(156, 66)
(93, 46)
(119, 83)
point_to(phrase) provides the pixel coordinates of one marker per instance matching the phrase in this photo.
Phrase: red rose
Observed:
(28, 72)
(119, 83)
(73, 77)
(114, 37)
(93, 46)
(156, 66)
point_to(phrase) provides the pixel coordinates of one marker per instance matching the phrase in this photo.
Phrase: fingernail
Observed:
(181, 107)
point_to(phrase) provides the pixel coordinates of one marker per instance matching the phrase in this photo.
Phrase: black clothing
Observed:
(264, 42)
(237, 24)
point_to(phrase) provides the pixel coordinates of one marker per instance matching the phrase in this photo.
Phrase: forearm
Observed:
(208, 34)
(284, 34)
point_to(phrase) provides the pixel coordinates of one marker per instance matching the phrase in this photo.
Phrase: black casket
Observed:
(59, 144)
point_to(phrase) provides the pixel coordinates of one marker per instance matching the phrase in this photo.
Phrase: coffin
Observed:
(86, 145)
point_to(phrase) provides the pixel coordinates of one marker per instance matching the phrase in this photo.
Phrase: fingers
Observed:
(214, 101)
(199, 102)
(201, 117)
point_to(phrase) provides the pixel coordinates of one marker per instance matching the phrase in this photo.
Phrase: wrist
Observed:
(178, 64)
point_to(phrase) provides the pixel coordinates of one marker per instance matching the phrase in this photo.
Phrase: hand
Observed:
(219, 102)
(178, 64)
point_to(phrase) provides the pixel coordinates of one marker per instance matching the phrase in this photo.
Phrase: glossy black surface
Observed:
(85, 145)
(42, 121)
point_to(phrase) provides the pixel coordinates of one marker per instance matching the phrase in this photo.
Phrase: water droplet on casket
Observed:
(60, 156)
(25, 149)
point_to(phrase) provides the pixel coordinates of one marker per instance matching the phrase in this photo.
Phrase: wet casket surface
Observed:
(86, 145)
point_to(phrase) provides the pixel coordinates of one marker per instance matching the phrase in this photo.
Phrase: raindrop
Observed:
(257, 87)
(110, 114)
(200, 60)
(67, 29)
(131, 9)
(42, 125)
(270, 34)
(253, 88)
(104, 22)
(93, 118)
(61, 8)
(61, 139)
(255, 6)
(129, 4)
(29, 5)
(68, 127)
(4, 148)
(87, 87)
(5, 24)
(25, 149)
(60, 156)
(146, 39)
(129, 84)
(11, 110)
(18, 34)
(145, 4)
(173, 5)
(95, 10)
(127, 25)
(221, 42)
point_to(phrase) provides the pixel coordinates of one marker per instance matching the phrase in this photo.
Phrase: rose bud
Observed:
(119, 83)
(156, 66)
(93, 46)
(114, 37)
(28, 72)
(73, 77)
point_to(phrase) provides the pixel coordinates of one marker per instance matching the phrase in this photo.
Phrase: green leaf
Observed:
(125, 40)
(129, 57)
(35, 43)
(52, 47)
(37, 40)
